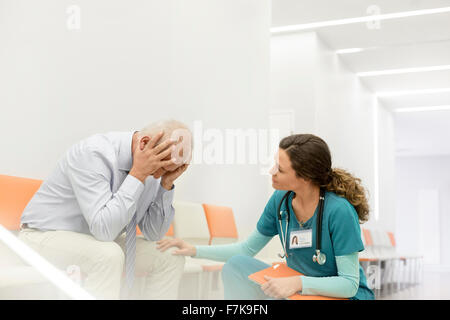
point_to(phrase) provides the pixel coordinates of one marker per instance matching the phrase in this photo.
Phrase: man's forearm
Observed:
(140, 176)
(109, 219)
(159, 215)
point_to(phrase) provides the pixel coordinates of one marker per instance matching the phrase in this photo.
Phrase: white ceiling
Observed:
(418, 41)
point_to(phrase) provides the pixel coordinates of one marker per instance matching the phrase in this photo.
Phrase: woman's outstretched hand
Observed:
(184, 248)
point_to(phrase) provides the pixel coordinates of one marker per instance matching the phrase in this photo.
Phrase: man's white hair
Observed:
(172, 129)
(166, 126)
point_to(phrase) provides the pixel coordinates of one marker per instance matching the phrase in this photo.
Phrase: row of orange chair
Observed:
(220, 222)
(387, 269)
(208, 222)
(16, 192)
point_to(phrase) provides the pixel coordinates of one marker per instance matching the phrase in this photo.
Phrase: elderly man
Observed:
(85, 214)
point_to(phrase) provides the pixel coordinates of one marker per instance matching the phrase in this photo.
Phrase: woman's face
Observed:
(283, 176)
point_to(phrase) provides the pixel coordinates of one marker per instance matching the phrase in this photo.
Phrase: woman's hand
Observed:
(281, 287)
(184, 248)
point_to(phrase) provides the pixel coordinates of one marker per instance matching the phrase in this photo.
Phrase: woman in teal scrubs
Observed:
(303, 165)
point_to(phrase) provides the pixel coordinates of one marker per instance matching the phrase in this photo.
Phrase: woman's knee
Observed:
(235, 264)
(238, 260)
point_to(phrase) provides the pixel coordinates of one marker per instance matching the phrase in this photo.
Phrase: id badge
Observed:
(300, 239)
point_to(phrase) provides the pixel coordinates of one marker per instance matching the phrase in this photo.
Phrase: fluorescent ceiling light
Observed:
(350, 50)
(411, 92)
(420, 109)
(378, 17)
(400, 71)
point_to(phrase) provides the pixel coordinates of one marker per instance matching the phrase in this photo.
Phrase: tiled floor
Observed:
(435, 286)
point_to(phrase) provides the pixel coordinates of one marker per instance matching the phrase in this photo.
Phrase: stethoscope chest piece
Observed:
(319, 257)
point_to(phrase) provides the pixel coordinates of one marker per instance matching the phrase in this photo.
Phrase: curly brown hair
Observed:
(311, 159)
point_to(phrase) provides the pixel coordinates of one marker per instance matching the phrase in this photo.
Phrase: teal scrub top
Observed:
(341, 235)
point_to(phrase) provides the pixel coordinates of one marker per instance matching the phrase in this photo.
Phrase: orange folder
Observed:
(279, 270)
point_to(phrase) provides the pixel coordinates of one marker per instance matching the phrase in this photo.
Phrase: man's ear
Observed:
(143, 142)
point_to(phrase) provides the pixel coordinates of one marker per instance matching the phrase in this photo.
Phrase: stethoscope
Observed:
(319, 257)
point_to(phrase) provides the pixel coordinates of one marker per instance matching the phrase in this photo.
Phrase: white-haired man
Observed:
(85, 213)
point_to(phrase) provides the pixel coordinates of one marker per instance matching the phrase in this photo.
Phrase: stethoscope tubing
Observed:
(288, 216)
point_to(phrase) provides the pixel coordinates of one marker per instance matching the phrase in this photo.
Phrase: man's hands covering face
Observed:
(157, 161)
(169, 177)
(149, 158)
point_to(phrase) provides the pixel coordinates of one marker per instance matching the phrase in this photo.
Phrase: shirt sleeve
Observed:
(345, 231)
(267, 223)
(344, 285)
(106, 213)
(250, 247)
(159, 215)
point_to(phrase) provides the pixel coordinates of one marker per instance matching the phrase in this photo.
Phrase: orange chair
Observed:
(221, 224)
(222, 229)
(168, 234)
(368, 254)
(392, 238)
(15, 193)
(367, 237)
(394, 243)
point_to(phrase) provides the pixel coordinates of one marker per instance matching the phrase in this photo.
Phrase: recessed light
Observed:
(421, 109)
(349, 50)
(403, 70)
(411, 92)
(379, 17)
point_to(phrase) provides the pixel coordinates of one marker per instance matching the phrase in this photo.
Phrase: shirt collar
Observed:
(124, 155)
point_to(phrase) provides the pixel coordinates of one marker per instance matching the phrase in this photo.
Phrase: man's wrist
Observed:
(167, 185)
(137, 175)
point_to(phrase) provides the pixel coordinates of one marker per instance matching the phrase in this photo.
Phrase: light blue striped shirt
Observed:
(90, 191)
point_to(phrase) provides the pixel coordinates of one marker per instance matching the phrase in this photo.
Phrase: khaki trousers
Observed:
(102, 263)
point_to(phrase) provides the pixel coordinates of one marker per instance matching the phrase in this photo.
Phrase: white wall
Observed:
(386, 170)
(292, 70)
(129, 64)
(416, 176)
(330, 101)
